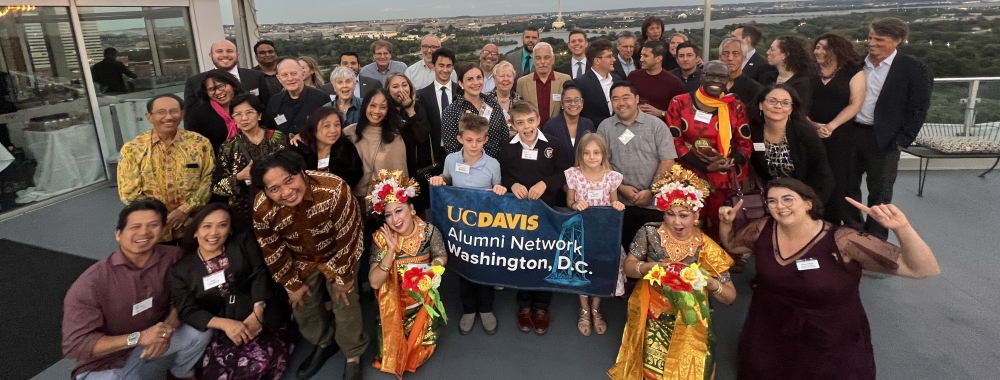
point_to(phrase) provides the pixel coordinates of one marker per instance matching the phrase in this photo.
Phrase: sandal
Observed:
(599, 325)
(583, 324)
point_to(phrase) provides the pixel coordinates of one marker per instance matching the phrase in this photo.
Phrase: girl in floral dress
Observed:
(592, 183)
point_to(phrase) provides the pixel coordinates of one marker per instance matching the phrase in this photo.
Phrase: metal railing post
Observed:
(970, 107)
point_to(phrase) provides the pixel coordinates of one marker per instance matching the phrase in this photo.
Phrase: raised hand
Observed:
(888, 215)
(728, 214)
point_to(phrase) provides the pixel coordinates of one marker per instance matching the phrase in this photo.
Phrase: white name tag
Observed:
(247, 181)
(806, 264)
(214, 279)
(323, 163)
(759, 147)
(703, 117)
(280, 119)
(595, 194)
(529, 154)
(255, 92)
(462, 168)
(146, 304)
(626, 137)
(487, 111)
(556, 97)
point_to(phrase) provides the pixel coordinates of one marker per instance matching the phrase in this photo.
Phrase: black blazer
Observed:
(556, 128)
(567, 68)
(250, 80)
(253, 283)
(620, 70)
(428, 99)
(345, 162)
(595, 104)
(202, 118)
(367, 84)
(901, 108)
(808, 155)
(758, 68)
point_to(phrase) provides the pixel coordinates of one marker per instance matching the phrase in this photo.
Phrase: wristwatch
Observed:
(133, 339)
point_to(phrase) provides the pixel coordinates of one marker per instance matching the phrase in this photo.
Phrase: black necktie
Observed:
(579, 70)
(444, 99)
(527, 64)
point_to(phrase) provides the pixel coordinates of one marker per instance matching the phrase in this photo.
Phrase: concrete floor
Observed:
(946, 327)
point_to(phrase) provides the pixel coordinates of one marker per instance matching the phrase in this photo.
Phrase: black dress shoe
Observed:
(316, 360)
(352, 371)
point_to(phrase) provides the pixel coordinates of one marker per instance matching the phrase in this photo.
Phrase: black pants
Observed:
(842, 156)
(476, 298)
(881, 167)
(534, 299)
(635, 218)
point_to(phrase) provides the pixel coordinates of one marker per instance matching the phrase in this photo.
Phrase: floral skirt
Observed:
(264, 358)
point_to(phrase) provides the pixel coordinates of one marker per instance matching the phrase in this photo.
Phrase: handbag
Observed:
(754, 204)
(434, 169)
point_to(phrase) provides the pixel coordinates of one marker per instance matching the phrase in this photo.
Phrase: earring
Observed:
(413, 212)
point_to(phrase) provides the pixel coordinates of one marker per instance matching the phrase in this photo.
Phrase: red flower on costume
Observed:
(401, 195)
(675, 282)
(411, 278)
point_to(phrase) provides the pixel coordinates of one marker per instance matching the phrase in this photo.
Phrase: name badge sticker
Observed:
(487, 111)
(594, 194)
(255, 92)
(529, 154)
(556, 97)
(280, 119)
(626, 136)
(759, 147)
(142, 306)
(323, 163)
(213, 280)
(462, 168)
(806, 264)
(703, 117)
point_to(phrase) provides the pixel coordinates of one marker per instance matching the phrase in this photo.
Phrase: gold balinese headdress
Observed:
(391, 187)
(680, 187)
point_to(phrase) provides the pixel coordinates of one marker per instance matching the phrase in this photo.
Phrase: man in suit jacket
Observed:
(438, 95)
(595, 84)
(895, 108)
(224, 57)
(521, 58)
(732, 51)
(362, 85)
(625, 64)
(578, 64)
(549, 99)
(755, 66)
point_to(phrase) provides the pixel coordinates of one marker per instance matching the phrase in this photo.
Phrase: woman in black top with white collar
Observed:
(785, 144)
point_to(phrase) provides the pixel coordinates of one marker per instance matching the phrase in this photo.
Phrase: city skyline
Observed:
(273, 12)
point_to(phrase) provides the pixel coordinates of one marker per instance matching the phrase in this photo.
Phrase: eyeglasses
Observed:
(435, 47)
(489, 53)
(241, 115)
(216, 88)
(775, 101)
(163, 113)
(786, 201)
(573, 100)
(714, 76)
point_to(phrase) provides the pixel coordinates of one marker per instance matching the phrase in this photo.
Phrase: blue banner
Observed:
(505, 241)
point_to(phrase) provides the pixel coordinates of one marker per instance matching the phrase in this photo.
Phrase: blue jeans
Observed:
(187, 346)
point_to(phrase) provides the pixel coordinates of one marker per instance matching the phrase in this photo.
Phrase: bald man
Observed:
(488, 59)
(421, 73)
(288, 110)
(224, 56)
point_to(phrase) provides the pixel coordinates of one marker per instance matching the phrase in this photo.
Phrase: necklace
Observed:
(678, 250)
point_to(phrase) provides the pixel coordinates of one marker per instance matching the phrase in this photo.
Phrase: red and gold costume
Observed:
(734, 142)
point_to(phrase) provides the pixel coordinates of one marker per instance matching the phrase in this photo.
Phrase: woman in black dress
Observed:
(325, 148)
(838, 94)
(796, 67)
(222, 283)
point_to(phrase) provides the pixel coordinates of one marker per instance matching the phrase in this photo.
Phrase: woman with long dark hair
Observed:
(796, 67)
(222, 283)
(377, 139)
(652, 30)
(472, 100)
(838, 94)
(325, 148)
(210, 116)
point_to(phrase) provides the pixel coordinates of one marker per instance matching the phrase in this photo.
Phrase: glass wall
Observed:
(46, 124)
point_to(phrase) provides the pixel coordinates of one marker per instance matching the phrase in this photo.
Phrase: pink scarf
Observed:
(230, 123)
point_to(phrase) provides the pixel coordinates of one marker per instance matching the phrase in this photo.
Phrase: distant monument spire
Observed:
(559, 23)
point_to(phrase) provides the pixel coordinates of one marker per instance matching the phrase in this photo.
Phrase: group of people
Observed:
(285, 196)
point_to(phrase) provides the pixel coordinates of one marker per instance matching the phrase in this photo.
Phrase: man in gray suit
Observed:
(521, 58)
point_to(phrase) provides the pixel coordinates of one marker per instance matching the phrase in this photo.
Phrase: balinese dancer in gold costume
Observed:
(658, 343)
(408, 329)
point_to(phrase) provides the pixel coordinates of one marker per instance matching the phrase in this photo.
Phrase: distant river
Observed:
(716, 24)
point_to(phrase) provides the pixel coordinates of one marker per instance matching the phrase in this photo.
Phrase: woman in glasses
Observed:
(806, 319)
(232, 170)
(568, 126)
(785, 144)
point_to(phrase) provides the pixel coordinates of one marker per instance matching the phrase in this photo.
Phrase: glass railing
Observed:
(964, 107)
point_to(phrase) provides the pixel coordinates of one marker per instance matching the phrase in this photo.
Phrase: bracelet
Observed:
(384, 269)
(436, 261)
(718, 291)
(637, 266)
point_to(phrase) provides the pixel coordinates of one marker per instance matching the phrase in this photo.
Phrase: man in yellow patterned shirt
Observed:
(169, 164)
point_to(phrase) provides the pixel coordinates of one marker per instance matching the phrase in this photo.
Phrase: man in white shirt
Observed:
(886, 124)
(382, 64)
(224, 57)
(755, 66)
(625, 65)
(595, 84)
(579, 64)
(421, 73)
(437, 96)
(488, 59)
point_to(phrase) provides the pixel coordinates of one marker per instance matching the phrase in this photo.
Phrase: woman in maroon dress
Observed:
(806, 320)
